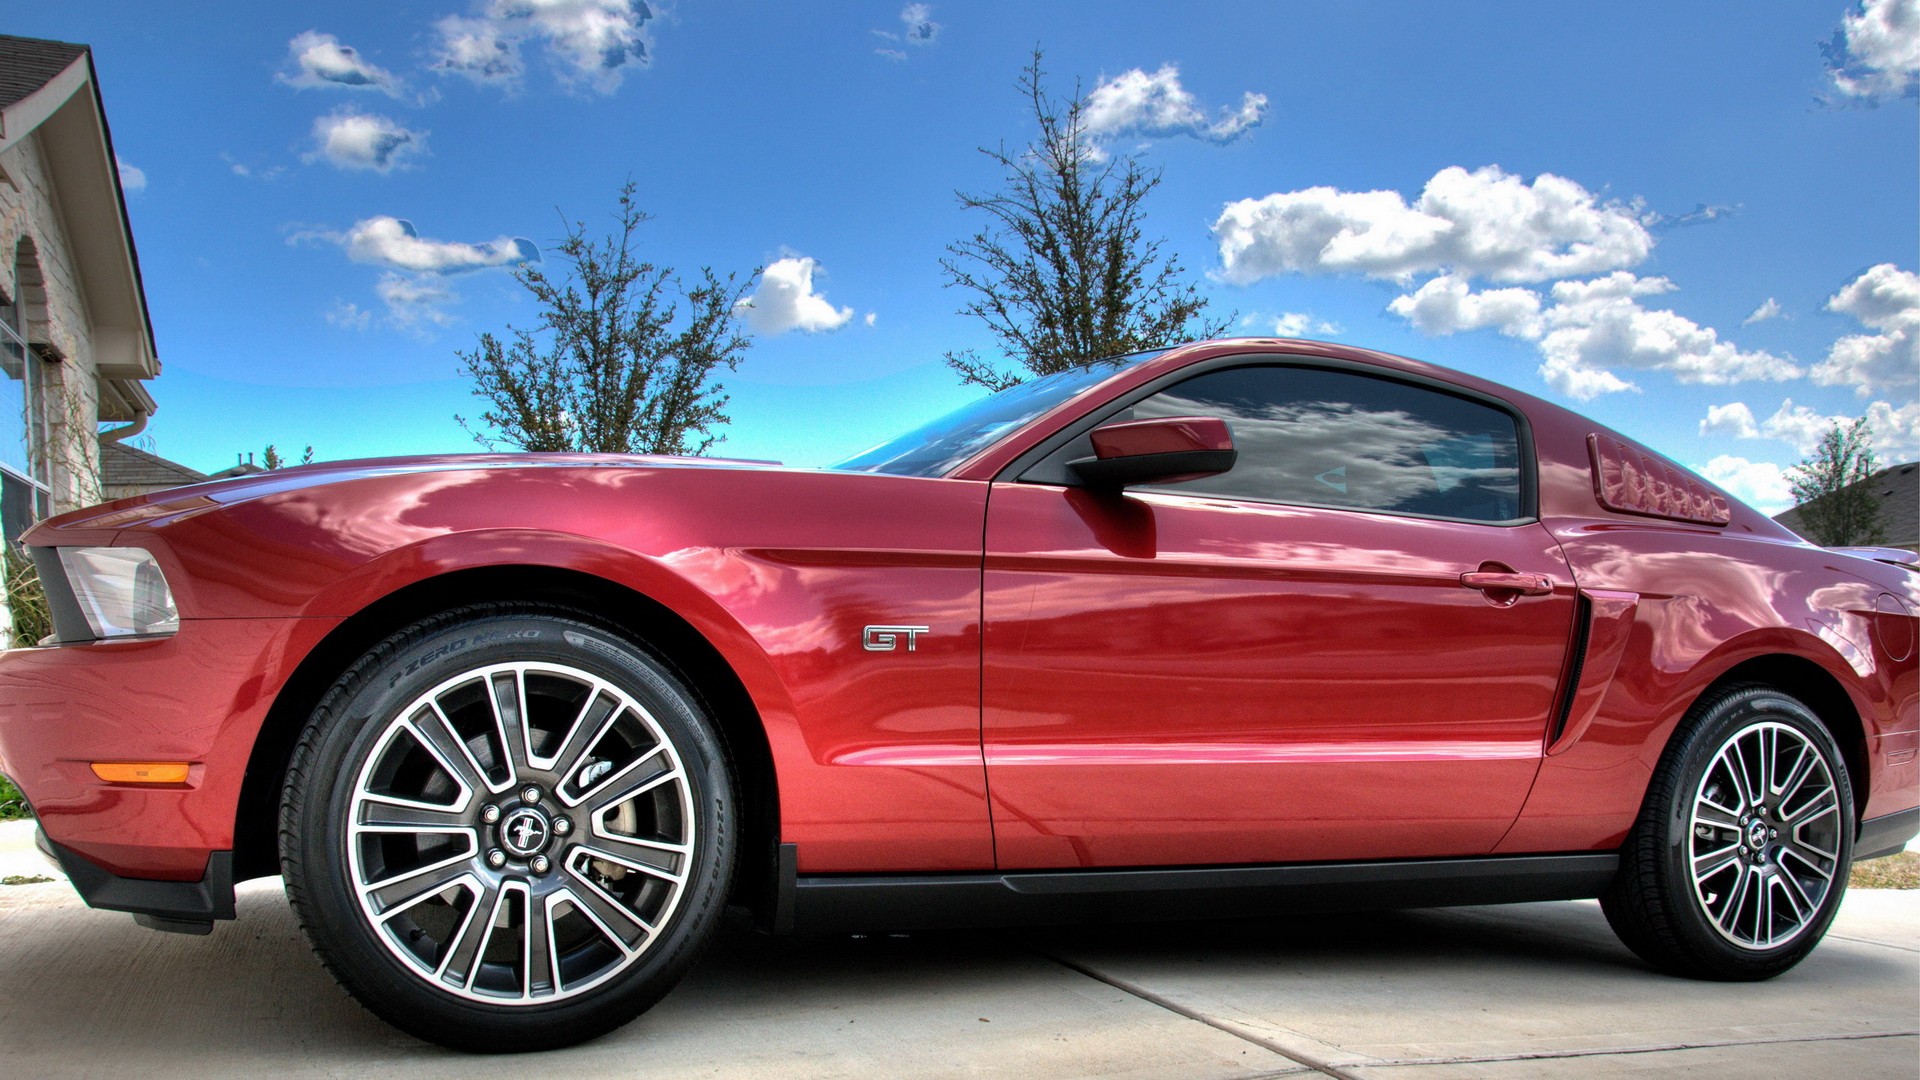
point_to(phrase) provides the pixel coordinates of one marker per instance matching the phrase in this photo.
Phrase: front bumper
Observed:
(187, 907)
(199, 696)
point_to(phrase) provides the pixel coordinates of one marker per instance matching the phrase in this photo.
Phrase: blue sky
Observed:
(1692, 222)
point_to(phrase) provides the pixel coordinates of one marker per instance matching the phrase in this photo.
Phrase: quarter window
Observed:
(1323, 437)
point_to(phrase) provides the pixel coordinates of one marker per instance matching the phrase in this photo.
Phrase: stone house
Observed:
(76, 345)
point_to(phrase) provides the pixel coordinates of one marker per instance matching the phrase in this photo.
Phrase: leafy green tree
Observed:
(271, 458)
(622, 359)
(1836, 507)
(1064, 273)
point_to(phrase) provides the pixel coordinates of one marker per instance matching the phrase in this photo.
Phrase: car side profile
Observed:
(1232, 628)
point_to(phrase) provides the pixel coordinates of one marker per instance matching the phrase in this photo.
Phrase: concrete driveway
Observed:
(1538, 990)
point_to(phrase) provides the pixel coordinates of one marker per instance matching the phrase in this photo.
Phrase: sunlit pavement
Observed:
(1524, 991)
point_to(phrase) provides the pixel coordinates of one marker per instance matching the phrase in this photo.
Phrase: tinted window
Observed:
(1321, 437)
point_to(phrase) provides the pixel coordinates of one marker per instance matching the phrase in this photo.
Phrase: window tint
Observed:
(1321, 437)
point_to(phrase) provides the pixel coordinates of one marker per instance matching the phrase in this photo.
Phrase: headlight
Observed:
(120, 591)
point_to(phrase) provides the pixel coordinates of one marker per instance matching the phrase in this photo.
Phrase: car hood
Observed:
(178, 502)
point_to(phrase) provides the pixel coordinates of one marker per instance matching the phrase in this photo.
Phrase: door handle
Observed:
(1498, 581)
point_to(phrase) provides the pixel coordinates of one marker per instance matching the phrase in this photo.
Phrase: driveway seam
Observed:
(1144, 994)
(1870, 941)
(1664, 1048)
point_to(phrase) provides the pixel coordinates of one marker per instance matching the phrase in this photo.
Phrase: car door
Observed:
(1303, 658)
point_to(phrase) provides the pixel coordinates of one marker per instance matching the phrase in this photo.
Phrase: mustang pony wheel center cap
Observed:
(525, 832)
(1757, 835)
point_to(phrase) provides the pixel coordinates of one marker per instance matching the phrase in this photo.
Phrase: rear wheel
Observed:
(1740, 856)
(508, 830)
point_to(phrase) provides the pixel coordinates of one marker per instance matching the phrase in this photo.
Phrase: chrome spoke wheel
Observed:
(520, 833)
(1765, 836)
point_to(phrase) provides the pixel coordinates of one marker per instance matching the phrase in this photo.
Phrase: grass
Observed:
(1900, 871)
(24, 879)
(13, 805)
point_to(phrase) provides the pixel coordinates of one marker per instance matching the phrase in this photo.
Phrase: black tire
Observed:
(1793, 846)
(614, 858)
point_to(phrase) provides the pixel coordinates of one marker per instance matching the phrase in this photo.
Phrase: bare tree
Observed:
(1064, 274)
(623, 358)
(1836, 507)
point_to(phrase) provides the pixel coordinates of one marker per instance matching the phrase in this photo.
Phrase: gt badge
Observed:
(887, 638)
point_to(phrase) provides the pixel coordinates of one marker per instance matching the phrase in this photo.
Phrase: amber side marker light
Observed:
(141, 772)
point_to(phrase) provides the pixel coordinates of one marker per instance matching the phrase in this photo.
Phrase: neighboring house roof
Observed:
(123, 466)
(50, 87)
(1898, 488)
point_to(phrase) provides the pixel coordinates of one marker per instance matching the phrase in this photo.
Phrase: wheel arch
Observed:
(1816, 688)
(616, 605)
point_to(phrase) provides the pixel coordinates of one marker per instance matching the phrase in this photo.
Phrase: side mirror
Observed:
(1164, 450)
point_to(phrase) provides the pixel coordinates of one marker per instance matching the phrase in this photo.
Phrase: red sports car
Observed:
(1230, 628)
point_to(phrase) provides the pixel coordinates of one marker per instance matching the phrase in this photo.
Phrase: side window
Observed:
(1320, 437)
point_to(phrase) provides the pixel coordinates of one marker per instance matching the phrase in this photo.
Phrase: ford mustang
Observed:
(1227, 629)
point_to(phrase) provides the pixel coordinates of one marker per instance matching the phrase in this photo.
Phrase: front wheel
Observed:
(508, 830)
(1739, 859)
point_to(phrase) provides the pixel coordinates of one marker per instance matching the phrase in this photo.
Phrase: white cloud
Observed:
(589, 42)
(1138, 105)
(1701, 214)
(1295, 324)
(1768, 310)
(894, 55)
(131, 178)
(1485, 223)
(393, 243)
(480, 50)
(1760, 484)
(1588, 329)
(1877, 51)
(1800, 425)
(413, 286)
(1292, 324)
(872, 317)
(319, 61)
(1896, 432)
(921, 29)
(1447, 305)
(253, 172)
(413, 301)
(354, 140)
(349, 316)
(1887, 299)
(784, 300)
(1735, 420)
(1596, 326)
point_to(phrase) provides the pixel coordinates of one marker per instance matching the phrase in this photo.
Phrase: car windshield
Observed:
(935, 448)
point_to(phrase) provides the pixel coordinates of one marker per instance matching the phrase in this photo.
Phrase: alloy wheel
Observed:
(1765, 836)
(520, 833)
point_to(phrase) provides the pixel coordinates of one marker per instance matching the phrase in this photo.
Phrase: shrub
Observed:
(13, 805)
(26, 600)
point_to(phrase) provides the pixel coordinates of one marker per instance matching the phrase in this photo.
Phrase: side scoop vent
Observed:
(1631, 481)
